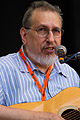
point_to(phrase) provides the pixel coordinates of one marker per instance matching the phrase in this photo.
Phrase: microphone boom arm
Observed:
(75, 56)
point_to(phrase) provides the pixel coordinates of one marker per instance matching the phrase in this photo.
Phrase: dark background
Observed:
(11, 15)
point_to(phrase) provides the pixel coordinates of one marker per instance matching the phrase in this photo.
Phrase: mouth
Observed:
(49, 50)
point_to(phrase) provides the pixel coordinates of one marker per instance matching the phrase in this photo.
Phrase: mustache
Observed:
(48, 46)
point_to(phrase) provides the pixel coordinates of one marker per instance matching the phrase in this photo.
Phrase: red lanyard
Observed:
(41, 89)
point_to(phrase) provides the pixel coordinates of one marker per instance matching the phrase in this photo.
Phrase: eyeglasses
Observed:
(44, 32)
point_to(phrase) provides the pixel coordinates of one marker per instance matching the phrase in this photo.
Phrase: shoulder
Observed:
(67, 69)
(8, 60)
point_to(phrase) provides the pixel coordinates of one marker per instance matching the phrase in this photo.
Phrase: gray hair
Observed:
(43, 6)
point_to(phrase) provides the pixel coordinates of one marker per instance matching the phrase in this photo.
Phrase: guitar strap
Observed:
(41, 89)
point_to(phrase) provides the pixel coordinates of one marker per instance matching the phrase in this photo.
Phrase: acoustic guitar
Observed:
(66, 103)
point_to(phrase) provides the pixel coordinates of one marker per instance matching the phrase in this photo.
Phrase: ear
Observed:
(23, 34)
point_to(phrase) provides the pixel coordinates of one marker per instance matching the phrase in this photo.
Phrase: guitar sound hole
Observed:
(71, 114)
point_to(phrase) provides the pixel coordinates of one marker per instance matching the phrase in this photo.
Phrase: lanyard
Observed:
(41, 89)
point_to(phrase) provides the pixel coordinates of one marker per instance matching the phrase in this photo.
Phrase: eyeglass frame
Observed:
(60, 31)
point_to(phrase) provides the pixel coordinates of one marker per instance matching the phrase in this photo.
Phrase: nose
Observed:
(50, 37)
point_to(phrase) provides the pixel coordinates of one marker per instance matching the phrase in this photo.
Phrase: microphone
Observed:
(61, 51)
(77, 56)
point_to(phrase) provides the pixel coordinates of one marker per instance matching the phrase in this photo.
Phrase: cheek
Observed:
(37, 45)
(58, 42)
(34, 45)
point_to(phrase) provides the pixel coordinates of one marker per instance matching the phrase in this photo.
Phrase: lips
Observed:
(49, 50)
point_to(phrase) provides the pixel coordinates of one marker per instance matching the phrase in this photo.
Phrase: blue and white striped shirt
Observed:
(17, 86)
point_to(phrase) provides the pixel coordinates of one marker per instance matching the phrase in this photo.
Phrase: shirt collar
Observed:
(59, 68)
(22, 65)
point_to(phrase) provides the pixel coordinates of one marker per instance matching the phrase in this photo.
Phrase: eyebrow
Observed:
(42, 25)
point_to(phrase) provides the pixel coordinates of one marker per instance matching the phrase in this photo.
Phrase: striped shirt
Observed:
(17, 85)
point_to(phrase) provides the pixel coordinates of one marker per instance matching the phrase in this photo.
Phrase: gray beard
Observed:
(42, 60)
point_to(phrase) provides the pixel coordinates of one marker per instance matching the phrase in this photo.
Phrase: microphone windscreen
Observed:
(60, 50)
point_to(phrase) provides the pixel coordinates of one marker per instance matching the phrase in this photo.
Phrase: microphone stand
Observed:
(75, 56)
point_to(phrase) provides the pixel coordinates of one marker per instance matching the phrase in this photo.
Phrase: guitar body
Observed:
(66, 101)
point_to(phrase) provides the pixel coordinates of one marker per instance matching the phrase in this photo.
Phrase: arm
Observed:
(7, 113)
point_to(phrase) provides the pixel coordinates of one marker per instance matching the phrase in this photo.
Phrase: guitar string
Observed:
(72, 116)
(75, 117)
(70, 112)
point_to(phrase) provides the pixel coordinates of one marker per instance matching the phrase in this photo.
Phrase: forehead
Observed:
(48, 18)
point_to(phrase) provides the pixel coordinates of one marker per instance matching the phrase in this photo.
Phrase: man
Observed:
(34, 73)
